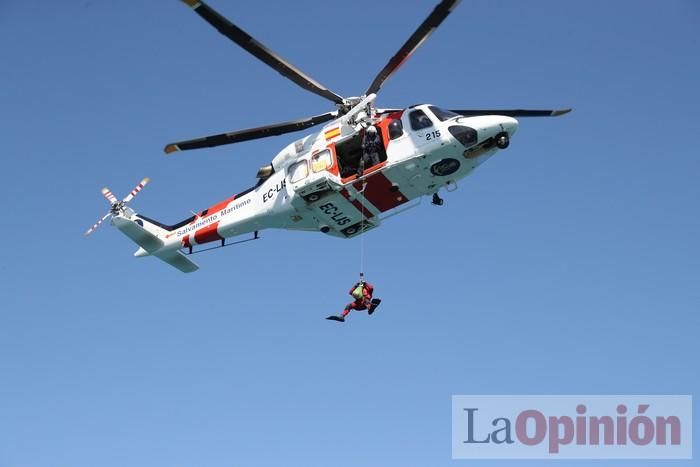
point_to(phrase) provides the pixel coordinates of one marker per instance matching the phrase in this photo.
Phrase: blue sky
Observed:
(567, 264)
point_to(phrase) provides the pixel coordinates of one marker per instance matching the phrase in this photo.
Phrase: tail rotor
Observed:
(116, 206)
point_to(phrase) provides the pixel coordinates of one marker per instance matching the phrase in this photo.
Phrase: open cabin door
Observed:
(359, 147)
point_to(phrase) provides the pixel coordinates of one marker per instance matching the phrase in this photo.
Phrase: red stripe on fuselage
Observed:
(363, 209)
(207, 234)
(379, 192)
(218, 207)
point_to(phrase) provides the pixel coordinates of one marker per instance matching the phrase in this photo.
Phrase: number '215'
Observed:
(432, 135)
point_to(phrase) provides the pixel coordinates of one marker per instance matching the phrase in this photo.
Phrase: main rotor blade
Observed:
(250, 133)
(243, 39)
(513, 112)
(417, 38)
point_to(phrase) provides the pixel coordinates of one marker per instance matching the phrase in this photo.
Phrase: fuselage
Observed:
(319, 184)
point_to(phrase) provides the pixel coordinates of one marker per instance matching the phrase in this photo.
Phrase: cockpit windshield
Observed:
(443, 114)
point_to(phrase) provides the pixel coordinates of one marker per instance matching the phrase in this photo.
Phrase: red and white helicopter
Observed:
(326, 181)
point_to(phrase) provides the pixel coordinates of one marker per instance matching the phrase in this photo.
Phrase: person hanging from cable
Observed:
(362, 292)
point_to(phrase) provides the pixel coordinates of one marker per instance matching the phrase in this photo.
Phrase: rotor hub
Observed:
(117, 208)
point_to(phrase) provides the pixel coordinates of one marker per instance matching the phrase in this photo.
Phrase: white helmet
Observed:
(371, 130)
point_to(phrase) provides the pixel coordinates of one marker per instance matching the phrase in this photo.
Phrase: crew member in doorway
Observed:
(371, 144)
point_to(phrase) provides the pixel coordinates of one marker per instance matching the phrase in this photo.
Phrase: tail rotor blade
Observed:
(108, 194)
(97, 224)
(136, 190)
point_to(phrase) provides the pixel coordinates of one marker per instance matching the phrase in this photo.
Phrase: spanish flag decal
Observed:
(330, 134)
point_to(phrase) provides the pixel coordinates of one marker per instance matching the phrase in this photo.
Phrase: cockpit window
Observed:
(443, 114)
(465, 135)
(419, 120)
(395, 129)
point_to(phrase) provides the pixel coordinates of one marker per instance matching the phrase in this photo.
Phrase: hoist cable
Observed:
(362, 229)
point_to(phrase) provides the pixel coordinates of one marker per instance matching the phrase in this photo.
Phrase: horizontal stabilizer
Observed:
(138, 234)
(153, 244)
(178, 260)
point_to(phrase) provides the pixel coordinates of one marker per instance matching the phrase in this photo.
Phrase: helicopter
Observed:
(364, 165)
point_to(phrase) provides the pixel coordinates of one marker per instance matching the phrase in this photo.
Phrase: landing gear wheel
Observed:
(502, 140)
(313, 197)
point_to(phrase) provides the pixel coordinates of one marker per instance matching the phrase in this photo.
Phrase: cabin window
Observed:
(298, 171)
(443, 114)
(395, 129)
(465, 135)
(321, 161)
(419, 120)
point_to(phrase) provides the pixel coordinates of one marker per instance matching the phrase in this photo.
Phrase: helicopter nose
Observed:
(510, 125)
